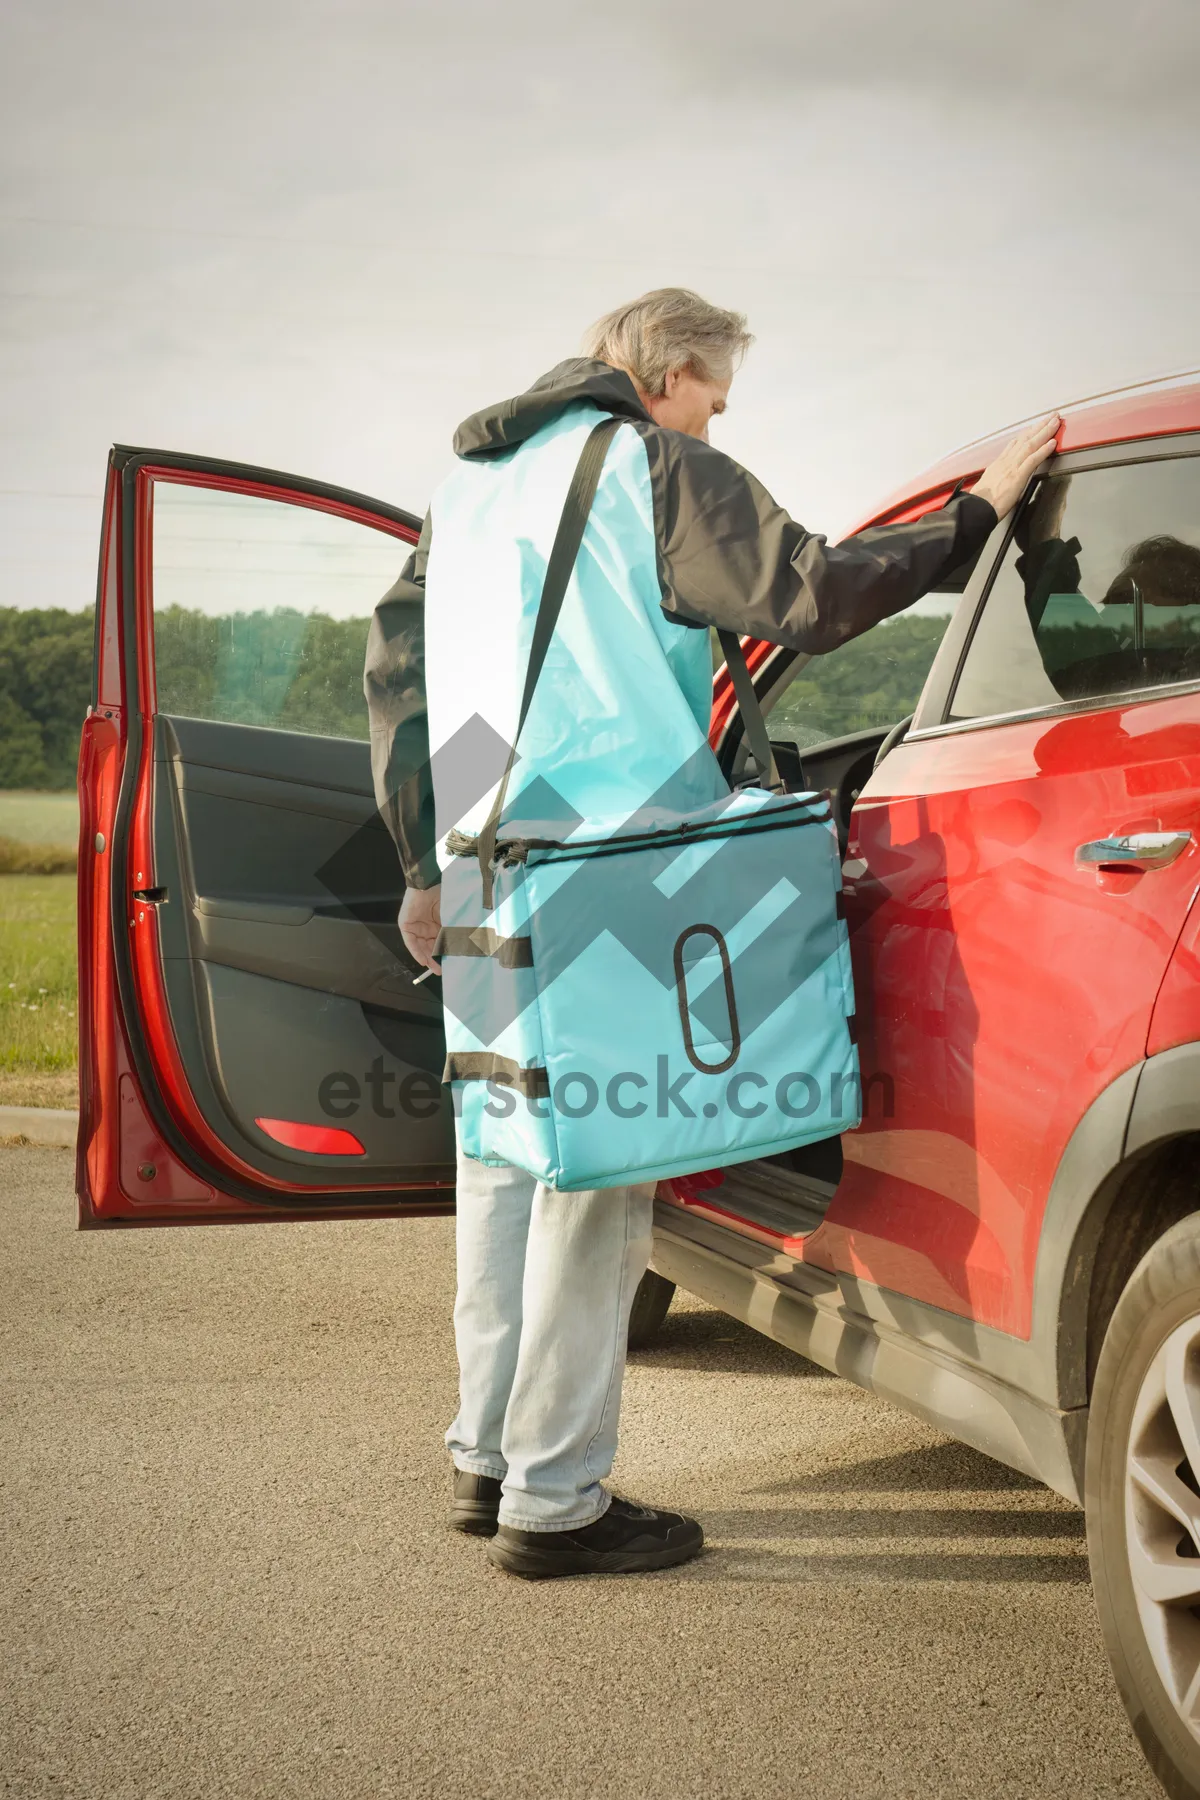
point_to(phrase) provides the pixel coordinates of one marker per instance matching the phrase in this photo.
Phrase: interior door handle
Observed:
(1138, 853)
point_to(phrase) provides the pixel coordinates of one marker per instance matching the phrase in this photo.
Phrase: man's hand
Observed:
(420, 921)
(1003, 481)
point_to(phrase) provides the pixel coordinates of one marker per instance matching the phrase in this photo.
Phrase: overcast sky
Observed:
(313, 234)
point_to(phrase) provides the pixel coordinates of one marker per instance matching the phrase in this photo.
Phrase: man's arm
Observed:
(730, 556)
(394, 683)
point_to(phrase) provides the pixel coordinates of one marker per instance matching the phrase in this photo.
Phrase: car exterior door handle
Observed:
(1138, 853)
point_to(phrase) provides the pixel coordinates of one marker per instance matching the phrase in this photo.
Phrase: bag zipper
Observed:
(511, 851)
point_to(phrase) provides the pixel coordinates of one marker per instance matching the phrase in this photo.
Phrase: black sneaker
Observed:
(476, 1503)
(627, 1539)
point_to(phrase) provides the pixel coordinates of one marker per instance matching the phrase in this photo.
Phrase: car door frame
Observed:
(1051, 1364)
(1053, 1360)
(119, 1068)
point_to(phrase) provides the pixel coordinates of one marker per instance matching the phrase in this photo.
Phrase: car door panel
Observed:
(279, 946)
(1002, 985)
(999, 987)
(255, 1044)
(287, 878)
(282, 1052)
(290, 943)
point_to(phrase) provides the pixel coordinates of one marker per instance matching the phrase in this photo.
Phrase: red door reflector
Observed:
(317, 1140)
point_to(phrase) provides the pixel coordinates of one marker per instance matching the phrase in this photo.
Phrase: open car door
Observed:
(253, 1044)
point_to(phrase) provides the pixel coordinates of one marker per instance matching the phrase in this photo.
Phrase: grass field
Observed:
(38, 831)
(38, 1000)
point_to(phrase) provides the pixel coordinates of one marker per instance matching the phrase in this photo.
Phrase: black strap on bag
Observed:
(567, 539)
(753, 723)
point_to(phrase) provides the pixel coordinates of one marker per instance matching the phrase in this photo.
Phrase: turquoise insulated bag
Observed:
(645, 997)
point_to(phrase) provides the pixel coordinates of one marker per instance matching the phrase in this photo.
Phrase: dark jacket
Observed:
(727, 556)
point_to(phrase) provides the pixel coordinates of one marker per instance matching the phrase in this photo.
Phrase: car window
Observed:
(1098, 592)
(261, 609)
(872, 682)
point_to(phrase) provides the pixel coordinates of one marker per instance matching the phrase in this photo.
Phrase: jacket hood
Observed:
(510, 422)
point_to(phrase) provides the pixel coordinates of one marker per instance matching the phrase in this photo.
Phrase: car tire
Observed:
(650, 1306)
(1142, 1481)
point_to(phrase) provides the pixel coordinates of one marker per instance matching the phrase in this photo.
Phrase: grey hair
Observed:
(670, 328)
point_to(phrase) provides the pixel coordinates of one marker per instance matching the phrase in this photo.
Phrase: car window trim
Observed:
(1105, 456)
(1096, 703)
(1133, 450)
(942, 679)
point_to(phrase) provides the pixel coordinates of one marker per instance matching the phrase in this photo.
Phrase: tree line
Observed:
(297, 671)
(45, 690)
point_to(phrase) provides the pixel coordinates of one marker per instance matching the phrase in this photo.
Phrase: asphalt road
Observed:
(225, 1569)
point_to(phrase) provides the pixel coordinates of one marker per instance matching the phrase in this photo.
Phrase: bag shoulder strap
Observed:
(565, 550)
(567, 539)
(753, 723)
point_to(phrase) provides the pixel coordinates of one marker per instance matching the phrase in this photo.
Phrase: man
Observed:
(685, 539)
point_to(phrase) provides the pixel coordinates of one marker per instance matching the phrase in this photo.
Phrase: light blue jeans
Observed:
(545, 1284)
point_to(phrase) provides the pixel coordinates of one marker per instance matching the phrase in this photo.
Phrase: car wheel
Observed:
(1142, 1493)
(650, 1306)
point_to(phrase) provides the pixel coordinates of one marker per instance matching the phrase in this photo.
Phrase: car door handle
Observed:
(1137, 853)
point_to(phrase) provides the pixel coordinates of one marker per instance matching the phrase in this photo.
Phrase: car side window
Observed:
(262, 607)
(1098, 593)
(870, 683)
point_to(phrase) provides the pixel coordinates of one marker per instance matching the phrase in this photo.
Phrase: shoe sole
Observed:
(476, 1521)
(530, 1565)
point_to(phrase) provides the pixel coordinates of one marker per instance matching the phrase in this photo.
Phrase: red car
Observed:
(1010, 1244)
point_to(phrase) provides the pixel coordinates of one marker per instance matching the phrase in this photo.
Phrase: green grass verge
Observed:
(38, 992)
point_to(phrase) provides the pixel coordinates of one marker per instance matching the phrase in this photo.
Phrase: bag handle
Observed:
(567, 539)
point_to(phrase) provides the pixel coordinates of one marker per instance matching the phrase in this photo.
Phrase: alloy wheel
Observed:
(1162, 1516)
